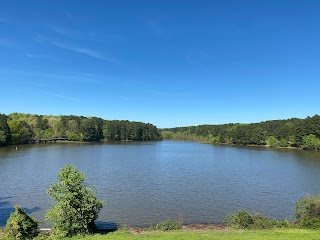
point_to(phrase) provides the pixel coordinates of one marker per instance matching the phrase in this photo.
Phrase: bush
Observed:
(20, 225)
(308, 212)
(244, 220)
(262, 222)
(282, 224)
(77, 206)
(168, 225)
(240, 219)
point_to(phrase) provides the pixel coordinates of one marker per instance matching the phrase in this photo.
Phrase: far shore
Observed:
(236, 145)
(178, 140)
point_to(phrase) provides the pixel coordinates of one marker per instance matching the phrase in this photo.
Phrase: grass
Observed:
(192, 234)
(283, 234)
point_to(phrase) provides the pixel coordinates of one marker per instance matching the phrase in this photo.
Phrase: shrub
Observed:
(308, 212)
(244, 220)
(20, 225)
(168, 225)
(282, 224)
(77, 206)
(262, 222)
(240, 219)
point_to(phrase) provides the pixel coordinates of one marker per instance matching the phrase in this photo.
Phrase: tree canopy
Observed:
(19, 128)
(294, 132)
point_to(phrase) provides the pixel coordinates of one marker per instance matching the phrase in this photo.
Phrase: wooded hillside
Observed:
(19, 128)
(294, 132)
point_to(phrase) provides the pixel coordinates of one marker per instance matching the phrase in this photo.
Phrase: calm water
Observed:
(148, 182)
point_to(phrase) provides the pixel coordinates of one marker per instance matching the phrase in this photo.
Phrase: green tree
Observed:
(272, 141)
(283, 142)
(5, 134)
(310, 142)
(20, 132)
(41, 123)
(20, 225)
(48, 133)
(73, 126)
(77, 206)
(292, 141)
(72, 136)
(258, 136)
(91, 129)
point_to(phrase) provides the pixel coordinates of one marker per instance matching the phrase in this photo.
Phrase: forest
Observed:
(20, 128)
(294, 132)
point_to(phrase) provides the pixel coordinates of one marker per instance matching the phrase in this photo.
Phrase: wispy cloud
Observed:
(74, 77)
(88, 35)
(84, 51)
(59, 96)
(39, 84)
(100, 37)
(40, 38)
(173, 94)
(63, 31)
(31, 55)
(70, 77)
(40, 57)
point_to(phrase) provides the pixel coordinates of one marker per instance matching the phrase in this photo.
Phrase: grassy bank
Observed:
(197, 234)
(225, 234)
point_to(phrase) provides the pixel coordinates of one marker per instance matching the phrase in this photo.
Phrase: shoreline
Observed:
(137, 229)
(178, 140)
(238, 145)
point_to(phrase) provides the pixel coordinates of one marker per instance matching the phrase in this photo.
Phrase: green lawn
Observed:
(282, 234)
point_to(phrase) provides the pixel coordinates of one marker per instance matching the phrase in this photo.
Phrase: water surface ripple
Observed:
(148, 182)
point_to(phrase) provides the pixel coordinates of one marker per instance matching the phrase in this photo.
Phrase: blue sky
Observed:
(170, 63)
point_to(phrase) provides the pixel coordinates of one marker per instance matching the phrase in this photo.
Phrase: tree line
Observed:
(19, 128)
(294, 132)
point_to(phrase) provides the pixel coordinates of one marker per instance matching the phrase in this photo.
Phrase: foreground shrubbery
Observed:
(20, 225)
(308, 212)
(307, 216)
(168, 225)
(77, 206)
(245, 220)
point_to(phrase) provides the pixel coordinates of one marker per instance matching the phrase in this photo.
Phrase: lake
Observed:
(143, 183)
